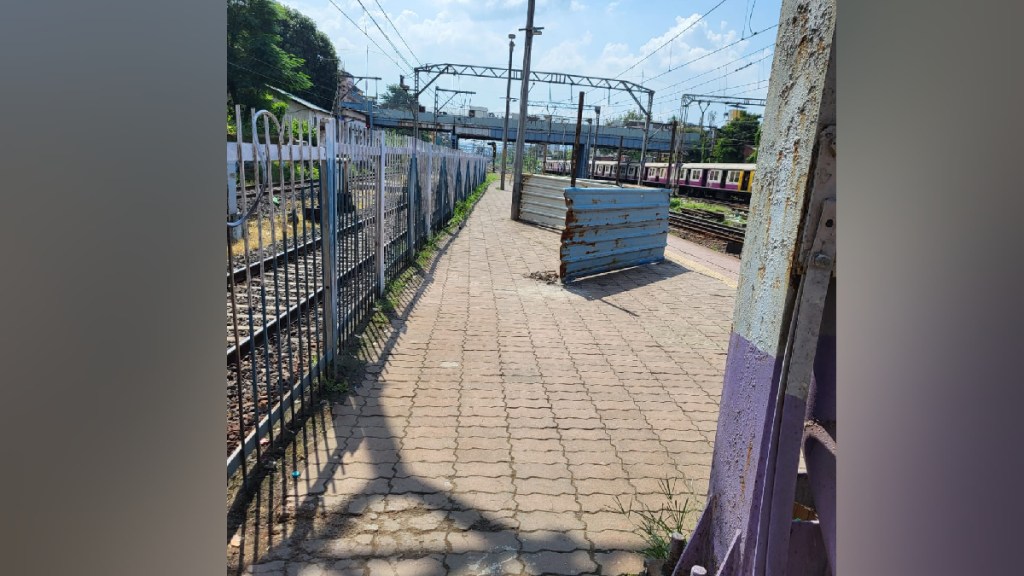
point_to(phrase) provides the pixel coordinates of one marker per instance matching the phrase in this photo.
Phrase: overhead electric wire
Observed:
(347, 17)
(730, 45)
(666, 97)
(370, 38)
(667, 42)
(699, 58)
(672, 95)
(386, 37)
(400, 37)
(729, 63)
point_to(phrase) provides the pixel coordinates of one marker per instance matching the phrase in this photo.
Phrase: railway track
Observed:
(699, 225)
(283, 287)
(274, 308)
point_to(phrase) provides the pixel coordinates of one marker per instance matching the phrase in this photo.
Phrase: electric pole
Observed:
(517, 182)
(508, 94)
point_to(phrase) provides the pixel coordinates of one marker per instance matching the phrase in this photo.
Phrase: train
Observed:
(694, 179)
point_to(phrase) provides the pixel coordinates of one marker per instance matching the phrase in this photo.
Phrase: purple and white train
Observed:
(701, 180)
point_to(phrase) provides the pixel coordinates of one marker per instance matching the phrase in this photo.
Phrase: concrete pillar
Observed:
(787, 263)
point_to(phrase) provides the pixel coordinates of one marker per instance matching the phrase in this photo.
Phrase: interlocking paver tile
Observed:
(508, 416)
(576, 562)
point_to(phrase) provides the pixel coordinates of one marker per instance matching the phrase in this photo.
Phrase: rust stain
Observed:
(746, 466)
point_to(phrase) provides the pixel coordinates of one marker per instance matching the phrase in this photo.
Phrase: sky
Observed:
(720, 47)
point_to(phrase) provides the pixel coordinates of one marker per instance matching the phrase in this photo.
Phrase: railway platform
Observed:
(504, 415)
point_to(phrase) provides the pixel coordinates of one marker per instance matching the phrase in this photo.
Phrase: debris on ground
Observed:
(548, 276)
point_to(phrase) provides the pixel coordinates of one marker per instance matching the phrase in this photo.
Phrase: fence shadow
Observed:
(328, 507)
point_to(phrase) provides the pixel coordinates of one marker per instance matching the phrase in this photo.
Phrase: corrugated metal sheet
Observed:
(542, 201)
(612, 228)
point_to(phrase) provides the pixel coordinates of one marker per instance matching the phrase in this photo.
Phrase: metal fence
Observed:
(321, 216)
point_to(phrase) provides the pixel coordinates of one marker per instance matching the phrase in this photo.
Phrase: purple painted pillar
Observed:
(780, 371)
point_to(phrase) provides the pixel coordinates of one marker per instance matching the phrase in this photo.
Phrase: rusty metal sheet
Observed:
(542, 201)
(612, 228)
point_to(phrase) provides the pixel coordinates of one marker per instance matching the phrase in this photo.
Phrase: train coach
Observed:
(720, 181)
(560, 167)
(697, 180)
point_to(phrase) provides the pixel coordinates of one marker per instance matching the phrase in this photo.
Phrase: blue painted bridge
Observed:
(537, 131)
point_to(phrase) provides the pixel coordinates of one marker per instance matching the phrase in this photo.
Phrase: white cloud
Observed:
(475, 32)
(566, 55)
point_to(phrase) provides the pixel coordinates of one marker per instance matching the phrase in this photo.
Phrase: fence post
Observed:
(412, 185)
(328, 237)
(457, 193)
(380, 217)
(429, 216)
(233, 213)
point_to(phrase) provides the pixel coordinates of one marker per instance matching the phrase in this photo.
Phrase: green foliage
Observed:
(271, 45)
(255, 56)
(732, 137)
(334, 387)
(397, 99)
(300, 36)
(630, 116)
(732, 217)
(678, 203)
(752, 159)
(656, 526)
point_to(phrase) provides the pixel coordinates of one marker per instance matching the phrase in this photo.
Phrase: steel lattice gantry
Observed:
(435, 71)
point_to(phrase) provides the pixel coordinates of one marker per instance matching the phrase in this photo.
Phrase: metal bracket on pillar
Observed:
(797, 369)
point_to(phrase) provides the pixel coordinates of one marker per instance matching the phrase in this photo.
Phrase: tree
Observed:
(396, 98)
(301, 38)
(630, 116)
(739, 132)
(752, 159)
(255, 57)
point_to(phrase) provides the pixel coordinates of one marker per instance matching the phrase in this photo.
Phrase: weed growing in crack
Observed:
(656, 526)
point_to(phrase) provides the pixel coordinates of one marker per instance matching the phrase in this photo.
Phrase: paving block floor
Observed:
(507, 416)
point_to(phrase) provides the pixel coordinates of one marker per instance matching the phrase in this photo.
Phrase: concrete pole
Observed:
(524, 95)
(618, 163)
(508, 95)
(647, 129)
(576, 142)
(590, 148)
(702, 109)
(415, 114)
(682, 141)
(546, 142)
(597, 132)
(671, 152)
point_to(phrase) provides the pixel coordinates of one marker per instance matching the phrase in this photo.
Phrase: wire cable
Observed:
(400, 37)
(386, 37)
(669, 41)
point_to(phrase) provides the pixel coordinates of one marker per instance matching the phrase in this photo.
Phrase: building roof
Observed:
(300, 101)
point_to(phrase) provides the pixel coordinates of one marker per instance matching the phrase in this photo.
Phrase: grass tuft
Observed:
(656, 526)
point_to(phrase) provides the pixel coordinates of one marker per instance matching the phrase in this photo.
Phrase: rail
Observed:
(706, 227)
